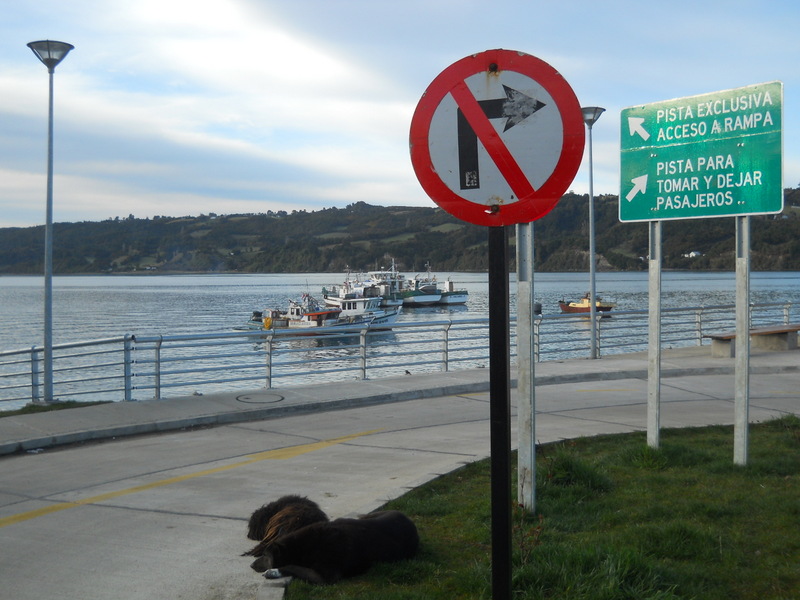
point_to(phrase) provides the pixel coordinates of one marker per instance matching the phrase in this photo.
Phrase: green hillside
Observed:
(362, 236)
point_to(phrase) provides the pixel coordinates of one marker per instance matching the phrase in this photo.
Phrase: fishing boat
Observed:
(308, 314)
(450, 295)
(388, 283)
(351, 288)
(420, 293)
(394, 289)
(422, 290)
(355, 301)
(584, 306)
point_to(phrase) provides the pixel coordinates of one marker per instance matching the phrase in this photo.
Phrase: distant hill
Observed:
(362, 236)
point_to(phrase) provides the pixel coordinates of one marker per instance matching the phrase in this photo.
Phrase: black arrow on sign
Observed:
(515, 107)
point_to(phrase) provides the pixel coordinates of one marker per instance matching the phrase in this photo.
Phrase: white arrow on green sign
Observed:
(713, 155)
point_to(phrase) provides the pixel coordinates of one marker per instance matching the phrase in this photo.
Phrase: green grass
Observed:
(615, 520)
(30, 409)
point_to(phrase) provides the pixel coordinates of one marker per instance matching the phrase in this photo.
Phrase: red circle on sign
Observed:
(530, 203)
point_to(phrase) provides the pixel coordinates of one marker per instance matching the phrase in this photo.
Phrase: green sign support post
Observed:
(713, 155)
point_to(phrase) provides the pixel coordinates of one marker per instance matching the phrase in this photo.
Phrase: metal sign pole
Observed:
(654, 338)
(742, 348)
(526, 362)
(499, 413)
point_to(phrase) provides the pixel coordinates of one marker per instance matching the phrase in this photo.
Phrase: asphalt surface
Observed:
(150, 499)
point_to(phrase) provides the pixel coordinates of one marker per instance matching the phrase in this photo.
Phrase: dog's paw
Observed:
(261, 564)
(273, 574)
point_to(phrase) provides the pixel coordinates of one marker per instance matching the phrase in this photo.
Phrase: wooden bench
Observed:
(772, 337)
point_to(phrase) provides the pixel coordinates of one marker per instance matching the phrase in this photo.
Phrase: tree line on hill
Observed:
(363, 237)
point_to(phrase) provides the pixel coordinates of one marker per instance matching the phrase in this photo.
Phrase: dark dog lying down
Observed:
(327, 551)
(283, 516)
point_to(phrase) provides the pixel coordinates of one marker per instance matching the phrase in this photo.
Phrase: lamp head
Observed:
(591, 114)
(50, 53)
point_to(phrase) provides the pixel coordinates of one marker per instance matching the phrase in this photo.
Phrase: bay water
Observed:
(89, 307)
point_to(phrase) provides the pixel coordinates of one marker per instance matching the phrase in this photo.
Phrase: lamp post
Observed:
(50, 53)
(590, 116)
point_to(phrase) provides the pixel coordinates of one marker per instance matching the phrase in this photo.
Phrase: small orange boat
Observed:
(583, 305)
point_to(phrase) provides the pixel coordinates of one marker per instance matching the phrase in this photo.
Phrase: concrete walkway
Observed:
(29, 432)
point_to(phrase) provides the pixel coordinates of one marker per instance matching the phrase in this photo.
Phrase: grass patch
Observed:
(30, 409)
(615, 520)
(333, 235)
(402, 237)
(447, 227)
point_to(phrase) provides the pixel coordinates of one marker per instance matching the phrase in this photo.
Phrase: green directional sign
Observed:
(713, 155)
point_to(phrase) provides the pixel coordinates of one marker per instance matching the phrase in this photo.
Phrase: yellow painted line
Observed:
(279, 454)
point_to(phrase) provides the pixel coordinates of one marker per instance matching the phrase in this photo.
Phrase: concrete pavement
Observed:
(181, 499)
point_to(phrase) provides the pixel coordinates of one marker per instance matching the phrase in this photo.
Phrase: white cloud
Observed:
(223, 104)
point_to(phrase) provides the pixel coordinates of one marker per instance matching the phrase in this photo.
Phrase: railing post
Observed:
(596, 349)
(698, 326)
(537, 323)
(786, 310)
(127, 362)
(362, 347)
(35, 370)
(268, 343)
(157, 368)
(446, 346)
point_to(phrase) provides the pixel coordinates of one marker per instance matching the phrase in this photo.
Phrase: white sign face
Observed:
(535, 141)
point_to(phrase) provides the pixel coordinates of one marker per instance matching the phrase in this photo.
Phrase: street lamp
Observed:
(50, 53)
(590, 116)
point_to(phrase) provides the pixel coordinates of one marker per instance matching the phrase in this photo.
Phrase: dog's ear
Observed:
(257, 524)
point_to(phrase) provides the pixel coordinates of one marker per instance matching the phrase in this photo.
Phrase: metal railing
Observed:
(132, 367)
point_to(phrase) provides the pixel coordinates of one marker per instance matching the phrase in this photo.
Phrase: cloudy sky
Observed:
(183, 107)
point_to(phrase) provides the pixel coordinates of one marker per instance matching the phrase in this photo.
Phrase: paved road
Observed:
(163, 515)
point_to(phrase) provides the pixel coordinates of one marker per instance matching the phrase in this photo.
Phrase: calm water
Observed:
(97, 306)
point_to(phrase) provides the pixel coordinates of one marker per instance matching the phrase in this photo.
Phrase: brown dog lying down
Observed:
(327, 551)
(283, 516)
